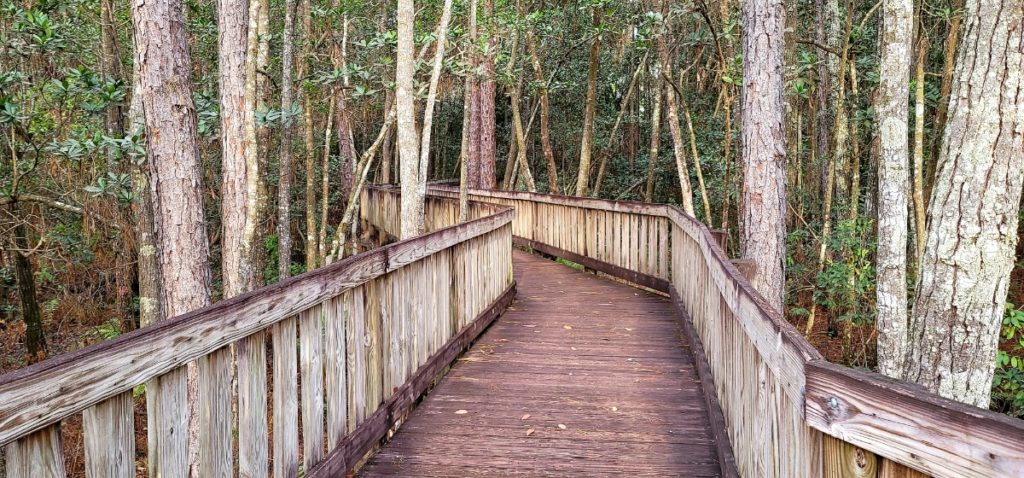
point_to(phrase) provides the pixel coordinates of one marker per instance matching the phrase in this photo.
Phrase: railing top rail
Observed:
(43, 393)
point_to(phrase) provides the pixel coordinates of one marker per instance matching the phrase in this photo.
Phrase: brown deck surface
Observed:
(603, 360)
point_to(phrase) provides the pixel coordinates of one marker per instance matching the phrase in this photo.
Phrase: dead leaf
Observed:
(525, 416)
(615, 409)
(461, 412)
(567, 327)
(530, 432)
(561, 427)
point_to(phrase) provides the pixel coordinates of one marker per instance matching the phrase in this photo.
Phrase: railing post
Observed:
(722, 238)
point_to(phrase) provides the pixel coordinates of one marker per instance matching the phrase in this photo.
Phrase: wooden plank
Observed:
(39, 455)
(719, 429)
(286, 402)
(645, 280)
(215, 438)
(109, 437)
(311, 368)
(167, 407)
(335, 357)
(843, 460)
(48, 391)
(367, 434)
(909, 425)
(253, 455)
(891, 469)
(354, 316)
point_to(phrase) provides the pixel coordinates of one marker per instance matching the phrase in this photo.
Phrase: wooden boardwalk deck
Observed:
(581, 376)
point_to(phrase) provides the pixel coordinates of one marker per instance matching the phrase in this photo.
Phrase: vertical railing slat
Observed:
(311, 366)
(336, 356)
(109, 437)
(286, 406)
(253, 455)
(215, 414)
(38, 455)
(167, 407)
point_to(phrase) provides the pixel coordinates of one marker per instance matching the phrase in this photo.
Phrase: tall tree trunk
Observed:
(35, 336)
(602, 163)
(949, 64)
(545, 114)
(469, 171)
(428, 109)
(678, 144)
(919, 104)
(653, 151)
(147, 265)
(696, 167)
(893, 163)
(972, 218)
(262, 220)
(164, 79)
(284, 191)
(237, 123)
(764, 146)
(586, 143)
(308, 135)
(342, 119)
(408, 147)
(484, 110)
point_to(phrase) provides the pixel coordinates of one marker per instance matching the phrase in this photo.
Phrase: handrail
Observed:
(788, 411)
(95, 380)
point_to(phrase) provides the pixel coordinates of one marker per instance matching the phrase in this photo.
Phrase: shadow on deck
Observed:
(581, 376)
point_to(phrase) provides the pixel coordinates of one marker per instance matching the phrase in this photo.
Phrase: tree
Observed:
(165, 84)
(587, 140)
(284, 195)
(974, 210)
(764, 146)
(893, 163)
(408, 147)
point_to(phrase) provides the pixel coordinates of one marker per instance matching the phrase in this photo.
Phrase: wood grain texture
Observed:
(109, 437)
(215, 438)
(911, 426)
(843, 460)
(253, 454)
(38, 455)
(46, 392)
(286, 400)
(312, 358)
(601, 358)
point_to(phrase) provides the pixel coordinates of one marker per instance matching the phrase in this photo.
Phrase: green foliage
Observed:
(850, 277)
(109, 329)
(1008, 382)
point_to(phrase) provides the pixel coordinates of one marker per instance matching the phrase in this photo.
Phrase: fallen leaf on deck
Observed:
(561, 427)
(567, 327)
(530, 432)
(615, 409)
(461, 412)
(525, 416)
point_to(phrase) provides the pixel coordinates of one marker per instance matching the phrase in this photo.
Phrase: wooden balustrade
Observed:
(787, 412)
(364, 337)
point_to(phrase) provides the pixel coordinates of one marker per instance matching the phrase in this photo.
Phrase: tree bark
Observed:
(484, 111)
(764, 146)
(309, 140)
(164, 79)
(678, 144)
(35, 336)
(586, 143)
(973, 215)
(893, 164)
(653, 151)
(545, 114)
(284, 191)
(408, 147)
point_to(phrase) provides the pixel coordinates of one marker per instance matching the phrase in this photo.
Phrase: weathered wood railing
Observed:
(787, 412)
(364, 337)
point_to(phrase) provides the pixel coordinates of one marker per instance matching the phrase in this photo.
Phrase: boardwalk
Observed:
(581, 376)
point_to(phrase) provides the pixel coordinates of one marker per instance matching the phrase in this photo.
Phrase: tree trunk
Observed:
(764, 146)
(919, 133)
(972, 218)
(484, 110)
(652, 152)
(408, 147)
(696, 167)
(342, 119)
(893, 161)
(678, 144)
(469, 171)
(309, 140)
(545, 114)
(284, 191)
(586, 143)
(148, 266)
(35, 337)
(164, 80)
(428, 109)
(614, 135)
(948, 67)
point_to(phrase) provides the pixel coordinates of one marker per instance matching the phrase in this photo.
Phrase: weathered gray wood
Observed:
(357, 342)
(167, 403)
(907, 424)
(253, 455)
(335, 359)
(37, 455)
(109, 436)
(44, 393)
(312, 361)
(286, 403)
(215, 414)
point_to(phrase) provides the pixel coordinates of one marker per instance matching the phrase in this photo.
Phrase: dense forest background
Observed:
(643, 97)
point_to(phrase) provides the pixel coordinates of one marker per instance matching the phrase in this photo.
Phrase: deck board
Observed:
(603, 359)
